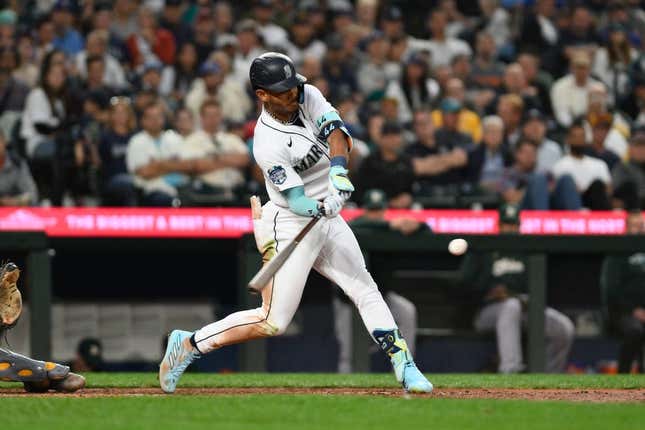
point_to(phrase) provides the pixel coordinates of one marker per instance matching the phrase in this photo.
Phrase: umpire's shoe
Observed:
(177, 358)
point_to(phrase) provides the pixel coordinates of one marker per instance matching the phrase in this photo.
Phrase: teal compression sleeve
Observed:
(299, 203)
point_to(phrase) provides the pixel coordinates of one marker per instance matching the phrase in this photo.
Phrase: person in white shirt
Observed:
(591, 175)
(152, 157)
(442, 47)
(570, 94)
(273, 34)
(224, 156)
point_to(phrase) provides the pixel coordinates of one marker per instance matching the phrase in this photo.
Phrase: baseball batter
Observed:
(302, 147)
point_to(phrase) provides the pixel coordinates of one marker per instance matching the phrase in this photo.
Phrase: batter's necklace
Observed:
(287, 122)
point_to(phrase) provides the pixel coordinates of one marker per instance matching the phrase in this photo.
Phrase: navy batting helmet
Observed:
(274, 72)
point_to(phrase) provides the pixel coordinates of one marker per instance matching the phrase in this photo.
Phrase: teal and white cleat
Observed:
(406, 372)
(176, 360)
(414, 381)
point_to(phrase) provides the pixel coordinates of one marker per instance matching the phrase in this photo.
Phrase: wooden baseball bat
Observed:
(262, 278)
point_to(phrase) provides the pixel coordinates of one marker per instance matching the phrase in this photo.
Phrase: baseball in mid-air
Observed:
(457, 246)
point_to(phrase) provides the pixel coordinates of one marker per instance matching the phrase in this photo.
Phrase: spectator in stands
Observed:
(153, 158)
(204, 34)
(335, 68)
(501, 280)
(97, 44)
(570, 94)
(150, 42)
(612, 62)
(468, 121)
(634, 105)
(45, 38)
(448, 134)
(403, 310)
(388, 168)
(510, 107)
(548, 151)
(529, 189)
(302, 42)
(67, 38)
(492, 155)
(177, 80)
(274, 36)
(600, 128)
(26, 69)
(415, 90)
(580, 34)
(8, 19)
(249, 46)
(101, 20)
(224, 19)
(442, 47)
(171, 20)
(13, 92)
(496, 21)
(222, 156)
(515, 82)
(591, 175)
(623, 286)
(539, 33)
(124, 22)
(629, 177)
(439, 167)
(184, 122)
(372, 75)
(17, 186)
(616, 139)
(116, 185)
(227, 91)
(537, 78)
(487, 72)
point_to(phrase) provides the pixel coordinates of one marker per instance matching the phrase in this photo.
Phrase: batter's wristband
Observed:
(339, 160)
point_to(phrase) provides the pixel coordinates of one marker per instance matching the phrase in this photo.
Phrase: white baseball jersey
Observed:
(292, 154)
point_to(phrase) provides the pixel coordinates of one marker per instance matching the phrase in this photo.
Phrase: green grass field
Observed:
(336, 412)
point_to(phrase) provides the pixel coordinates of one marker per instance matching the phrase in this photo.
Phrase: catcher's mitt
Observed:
(10, 297)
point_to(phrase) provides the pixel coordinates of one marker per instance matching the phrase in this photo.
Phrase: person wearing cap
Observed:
(548, 151)
(570, 94)
(468, 122)
(404, 310)
(500, 280)
(389, 169)
(392, 23)
(622, 285)
(628, 177)
(619, 130)
(213, 83)
(171, 20)
(67, 38)
(8, 19)
(274, 36)
(448, 134)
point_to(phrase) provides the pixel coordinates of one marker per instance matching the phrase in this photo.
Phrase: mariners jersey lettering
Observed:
(293, 155)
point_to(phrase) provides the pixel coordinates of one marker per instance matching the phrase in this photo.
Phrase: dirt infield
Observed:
(575, 395)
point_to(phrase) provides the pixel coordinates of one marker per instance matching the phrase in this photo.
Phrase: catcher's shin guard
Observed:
(18, 368)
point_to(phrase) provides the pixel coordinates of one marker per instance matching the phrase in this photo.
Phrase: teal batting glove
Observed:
(339, 179)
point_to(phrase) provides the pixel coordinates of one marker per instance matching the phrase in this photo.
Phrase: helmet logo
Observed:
(287, 71)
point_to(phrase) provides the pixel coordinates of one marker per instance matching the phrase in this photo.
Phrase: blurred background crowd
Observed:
(465, 104)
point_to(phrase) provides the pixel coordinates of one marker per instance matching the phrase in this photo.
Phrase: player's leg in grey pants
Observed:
(403, 311)
(559, 332)
(506, 318)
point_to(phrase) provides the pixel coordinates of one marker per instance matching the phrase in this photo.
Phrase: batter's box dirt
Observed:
(572, 395)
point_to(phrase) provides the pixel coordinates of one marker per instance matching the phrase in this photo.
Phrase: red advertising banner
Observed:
(233, 222)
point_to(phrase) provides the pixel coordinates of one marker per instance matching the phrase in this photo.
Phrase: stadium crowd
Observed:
(147, 103)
